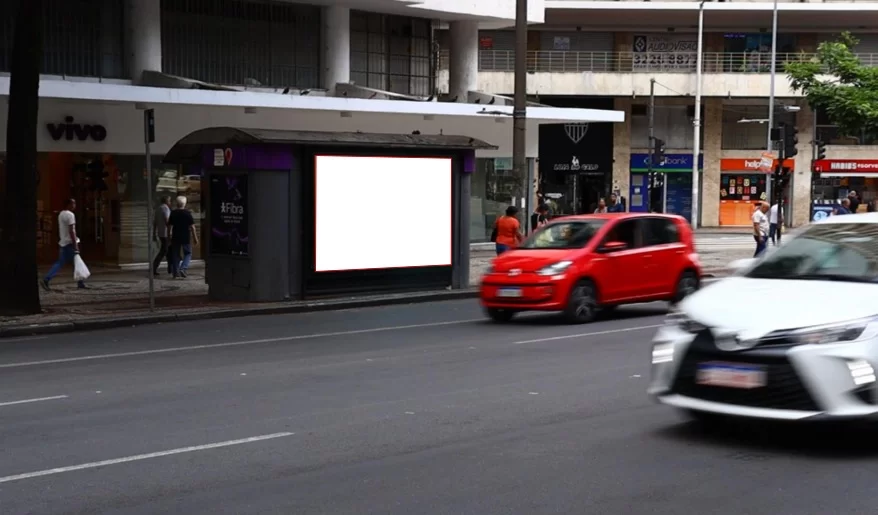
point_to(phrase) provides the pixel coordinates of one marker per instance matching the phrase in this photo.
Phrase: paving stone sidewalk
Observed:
(115, 296)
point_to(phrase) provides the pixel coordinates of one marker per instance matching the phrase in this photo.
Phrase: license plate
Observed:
(731, 375)
(509, 292)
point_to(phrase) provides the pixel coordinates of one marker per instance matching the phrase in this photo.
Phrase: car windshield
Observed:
(830, 252)
(573, 234)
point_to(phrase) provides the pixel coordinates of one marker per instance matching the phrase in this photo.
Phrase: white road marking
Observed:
(235, 344)
(26, 401)
(582, 335)
(140, 457)
(533, 393)
(24, 339)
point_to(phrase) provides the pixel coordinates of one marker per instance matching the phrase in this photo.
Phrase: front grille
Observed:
(783, 389)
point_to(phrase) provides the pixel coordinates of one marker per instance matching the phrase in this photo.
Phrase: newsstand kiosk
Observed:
(301, 214)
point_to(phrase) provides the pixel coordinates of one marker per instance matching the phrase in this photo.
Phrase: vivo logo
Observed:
(231, 208)
(70, 131)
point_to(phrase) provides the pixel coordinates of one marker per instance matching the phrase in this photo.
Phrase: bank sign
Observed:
(673, 163)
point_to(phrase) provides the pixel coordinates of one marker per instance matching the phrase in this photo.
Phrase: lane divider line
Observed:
(235, 344)
(583, 335)
(139, 457)
(26, 401)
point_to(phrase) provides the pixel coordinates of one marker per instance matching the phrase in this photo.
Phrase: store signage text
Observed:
(682, 162)
(70, 130)
(746, 165)
(846, 165)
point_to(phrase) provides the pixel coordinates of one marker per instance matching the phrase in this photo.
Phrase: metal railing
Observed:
(634, 62)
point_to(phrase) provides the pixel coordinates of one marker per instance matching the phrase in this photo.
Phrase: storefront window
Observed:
(111, 205)
(168, 181)
(739, 193)
(494, 188)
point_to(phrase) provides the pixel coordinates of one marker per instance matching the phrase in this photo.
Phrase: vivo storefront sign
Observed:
(673, 163)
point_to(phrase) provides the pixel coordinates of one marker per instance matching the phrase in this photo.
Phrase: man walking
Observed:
(182, 228)
(68, 241)
(615, 206)
(775, 224)
(760, 228)
(160, 233)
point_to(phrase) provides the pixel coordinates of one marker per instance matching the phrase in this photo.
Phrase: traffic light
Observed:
(821, 149)
(95, 175)
(790, 140)
(659, 151)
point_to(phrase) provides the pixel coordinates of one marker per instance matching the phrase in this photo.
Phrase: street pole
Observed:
(768, 146)
(649, 174)
(149, 137)
(519, 110)
(696, 123)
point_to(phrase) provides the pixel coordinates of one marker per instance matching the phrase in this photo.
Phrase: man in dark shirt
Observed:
(615, 206)
(539, 217)
(182, 227)
(854, 200)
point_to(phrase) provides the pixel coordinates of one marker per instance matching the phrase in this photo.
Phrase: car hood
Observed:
(755, 307)
(528, 260)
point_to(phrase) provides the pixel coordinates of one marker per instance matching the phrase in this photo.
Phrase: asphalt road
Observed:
(416, 410)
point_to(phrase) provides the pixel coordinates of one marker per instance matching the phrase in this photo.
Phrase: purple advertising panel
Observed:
(251, 157)
(229, 234)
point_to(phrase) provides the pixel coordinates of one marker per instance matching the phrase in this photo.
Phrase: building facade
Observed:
(370, 66)
(607, 53)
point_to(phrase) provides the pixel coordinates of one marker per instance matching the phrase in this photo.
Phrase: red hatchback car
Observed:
(580, 265)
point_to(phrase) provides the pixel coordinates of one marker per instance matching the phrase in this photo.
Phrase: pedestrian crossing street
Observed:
(722, 242)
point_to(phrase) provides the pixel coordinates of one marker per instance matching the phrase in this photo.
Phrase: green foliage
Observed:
(837, 83)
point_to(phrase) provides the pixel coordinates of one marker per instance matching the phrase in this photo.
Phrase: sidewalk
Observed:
(121, 297)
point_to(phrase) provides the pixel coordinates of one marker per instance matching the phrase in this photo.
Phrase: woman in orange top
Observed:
(508, 230)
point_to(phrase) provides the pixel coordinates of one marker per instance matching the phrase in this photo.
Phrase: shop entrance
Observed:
(84, 178)
(591, 189)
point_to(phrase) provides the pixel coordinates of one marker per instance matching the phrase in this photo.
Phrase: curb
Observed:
(161, 318)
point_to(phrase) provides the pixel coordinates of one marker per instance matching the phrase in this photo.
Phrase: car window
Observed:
(841, 252)
(625, 231)
(660, 231)
(570, 234)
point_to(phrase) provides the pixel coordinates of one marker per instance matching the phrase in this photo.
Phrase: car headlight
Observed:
(830, 333)
(681, 320)
(555, 269)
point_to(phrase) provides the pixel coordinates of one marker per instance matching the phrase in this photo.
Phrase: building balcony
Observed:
(730, 75)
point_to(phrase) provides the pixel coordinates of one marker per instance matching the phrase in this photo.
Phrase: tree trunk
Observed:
(19, 288)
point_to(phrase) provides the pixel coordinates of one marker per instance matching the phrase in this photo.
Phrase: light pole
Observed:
(519, 109)
(696, 123)
(768, 145)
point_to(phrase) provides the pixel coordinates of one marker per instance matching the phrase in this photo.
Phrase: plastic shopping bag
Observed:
(80, 271)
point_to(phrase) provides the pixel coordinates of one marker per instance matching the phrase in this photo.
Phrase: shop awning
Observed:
(189, 147)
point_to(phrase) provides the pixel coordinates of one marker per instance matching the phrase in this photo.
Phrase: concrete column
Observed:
(336, 47)
(463, 59)
(713, 147)
(143, 44)
(801, 201)
(622, 150)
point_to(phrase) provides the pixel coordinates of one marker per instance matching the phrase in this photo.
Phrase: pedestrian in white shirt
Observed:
(775, 224)
(760, 228)
(68, 241)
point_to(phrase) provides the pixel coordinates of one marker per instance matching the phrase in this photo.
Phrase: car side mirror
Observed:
(612, 246)
(740, 264)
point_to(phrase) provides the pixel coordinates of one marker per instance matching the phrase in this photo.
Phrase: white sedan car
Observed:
(791, 336)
